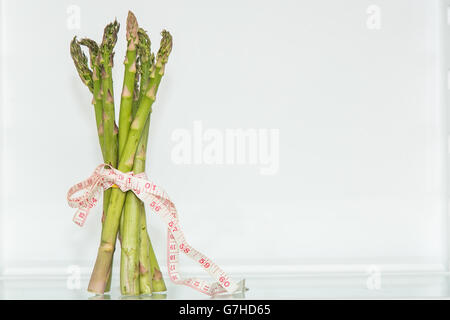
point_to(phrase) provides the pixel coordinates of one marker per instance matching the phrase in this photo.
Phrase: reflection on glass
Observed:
(100, 297)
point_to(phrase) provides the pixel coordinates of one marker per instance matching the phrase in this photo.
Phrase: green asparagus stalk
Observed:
(158, 283)
(92, 80)
(132, 202)
(103, 263)
(105, 60)
(96, 87)
(130, 220)
(124, 118)
(145, 271)
(150, 275)
(145, 278)
(126, 102)
(134, 109)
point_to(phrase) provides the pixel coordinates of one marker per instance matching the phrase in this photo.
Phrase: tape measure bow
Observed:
(105, 177)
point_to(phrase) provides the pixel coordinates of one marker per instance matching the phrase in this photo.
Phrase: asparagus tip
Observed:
(81, 63)
(132, 29)
(110, 35)
(165, 47)
(90, 44)
(106, 55)
(144, 46)
(93, 49)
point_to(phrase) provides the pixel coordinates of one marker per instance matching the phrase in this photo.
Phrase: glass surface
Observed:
(389, 286)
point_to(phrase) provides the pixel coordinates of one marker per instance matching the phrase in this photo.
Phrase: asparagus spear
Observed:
(150, 275)
(129, 276)
(158, 283)
(134, 209)
(126, 102)
(105, 60)
(130, 219)
(96, 86)
(145, 270)
(133, 113)
(109, 232)
(145, 274)
(93, 82)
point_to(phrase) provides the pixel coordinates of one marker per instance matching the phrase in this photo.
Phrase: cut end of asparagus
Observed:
(158, 283)
(159, 286)
(132, 31)
(97, 287)
(81, 63)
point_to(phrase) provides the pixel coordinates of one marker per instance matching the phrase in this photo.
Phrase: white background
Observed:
(360, 112)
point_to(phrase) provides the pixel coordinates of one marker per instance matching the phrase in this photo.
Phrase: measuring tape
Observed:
(105, 177)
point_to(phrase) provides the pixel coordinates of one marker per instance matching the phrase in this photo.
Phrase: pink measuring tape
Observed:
(105, 177)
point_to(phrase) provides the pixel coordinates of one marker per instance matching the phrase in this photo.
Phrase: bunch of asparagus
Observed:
(124, 147)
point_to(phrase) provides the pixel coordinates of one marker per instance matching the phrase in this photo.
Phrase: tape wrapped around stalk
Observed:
(105, 177)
